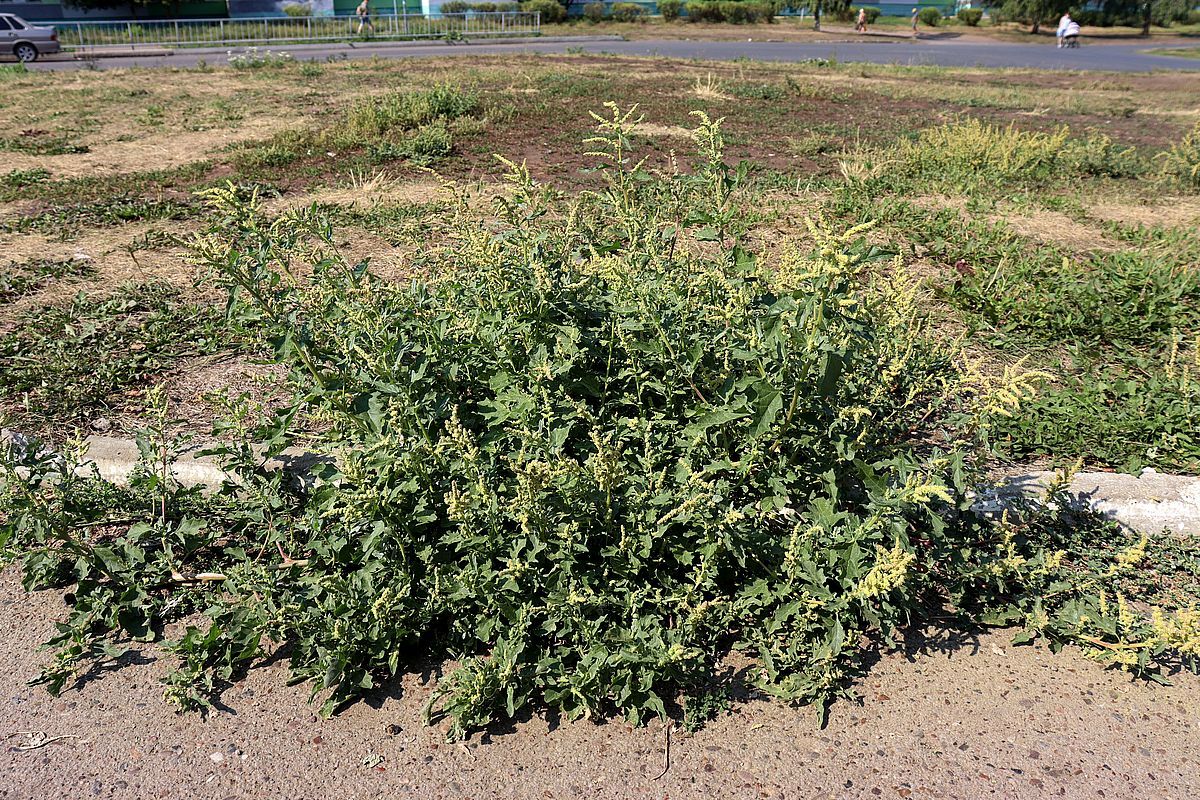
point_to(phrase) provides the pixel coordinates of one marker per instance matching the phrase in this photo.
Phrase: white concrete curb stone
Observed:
(1148, 503)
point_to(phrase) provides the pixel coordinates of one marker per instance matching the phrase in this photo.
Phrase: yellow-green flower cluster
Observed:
(1179, 631)
(888, 574)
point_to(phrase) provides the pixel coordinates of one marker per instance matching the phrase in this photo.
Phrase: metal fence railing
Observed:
(85, 36)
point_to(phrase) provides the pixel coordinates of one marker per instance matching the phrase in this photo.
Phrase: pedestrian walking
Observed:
(364, 17)
(861, 25)
(914, 22)
(1063, 22)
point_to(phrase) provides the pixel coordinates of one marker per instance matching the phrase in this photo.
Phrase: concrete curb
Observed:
(115, 459)
(1147, 503)
(88, 55)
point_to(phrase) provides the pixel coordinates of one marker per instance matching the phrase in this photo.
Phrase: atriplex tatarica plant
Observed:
(593, 446)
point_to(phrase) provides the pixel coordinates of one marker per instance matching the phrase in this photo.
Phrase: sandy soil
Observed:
(965, 718)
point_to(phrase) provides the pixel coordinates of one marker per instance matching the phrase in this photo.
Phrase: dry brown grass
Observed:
(163, 150)
(108, 251)
(1167, 212)
(1052, 227)
(664, 131)
(363, 192)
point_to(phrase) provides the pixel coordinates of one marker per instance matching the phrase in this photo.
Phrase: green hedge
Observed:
(970, 16)
(629, 12)
(551, 10)
(738, 12)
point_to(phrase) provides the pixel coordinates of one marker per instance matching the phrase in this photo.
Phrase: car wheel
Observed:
(25, 52)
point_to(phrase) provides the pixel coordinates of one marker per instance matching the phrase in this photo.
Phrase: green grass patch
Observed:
(1108, 326)
(67, 220)
(1177, 52)
(20, 280)
(65, 361)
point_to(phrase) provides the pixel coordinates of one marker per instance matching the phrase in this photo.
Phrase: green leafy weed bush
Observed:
(591, 449)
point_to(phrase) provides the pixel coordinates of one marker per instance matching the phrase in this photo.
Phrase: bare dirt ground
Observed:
(964, 717)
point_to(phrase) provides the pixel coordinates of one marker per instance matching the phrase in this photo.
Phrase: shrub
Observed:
(629, 12)
(508, 7)
(670, 9)
(587, 450)
(297, 9)
(706, 11)
(455, 7)
(970, 16)
(765, 11)
(1192, 18)
(551, 10)
(930, 17)
(484, 8)
(594, 12)
(733, 11)
(1181, 163)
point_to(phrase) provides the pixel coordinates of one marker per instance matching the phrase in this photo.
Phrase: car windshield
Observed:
(17, 23)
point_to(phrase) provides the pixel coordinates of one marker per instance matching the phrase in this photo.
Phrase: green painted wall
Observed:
(347, 7)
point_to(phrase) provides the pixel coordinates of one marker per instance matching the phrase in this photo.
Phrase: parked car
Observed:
(25, 40)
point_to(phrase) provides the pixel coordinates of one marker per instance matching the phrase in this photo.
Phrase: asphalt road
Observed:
(949, 53)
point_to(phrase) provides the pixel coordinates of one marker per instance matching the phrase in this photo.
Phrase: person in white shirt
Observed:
(1062, 26)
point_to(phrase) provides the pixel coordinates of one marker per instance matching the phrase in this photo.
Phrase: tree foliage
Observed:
(1035, 13)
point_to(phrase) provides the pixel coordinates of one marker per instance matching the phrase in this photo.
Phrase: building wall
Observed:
(890, 9)
(345, 7)
(56, 10)
(34, 12)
